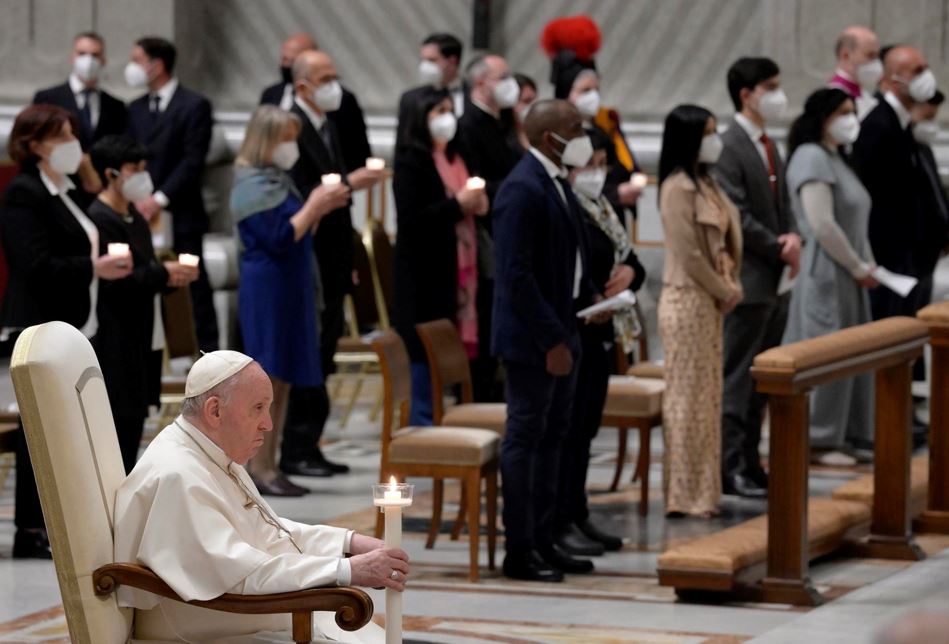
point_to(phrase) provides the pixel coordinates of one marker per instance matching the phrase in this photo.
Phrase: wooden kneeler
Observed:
(936, 516)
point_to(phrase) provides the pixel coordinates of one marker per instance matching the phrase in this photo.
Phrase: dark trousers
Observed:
(309, 407)
(27, 513)
(593, 376)
(748, 330)
(484, 368)
(129, 430)
(202, 300)
(538, 417)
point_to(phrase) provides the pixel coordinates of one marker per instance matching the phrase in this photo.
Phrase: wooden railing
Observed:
(936, 516)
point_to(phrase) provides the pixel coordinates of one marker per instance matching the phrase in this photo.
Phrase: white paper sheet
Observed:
(899, 284)
(624, 300)
(787, 282)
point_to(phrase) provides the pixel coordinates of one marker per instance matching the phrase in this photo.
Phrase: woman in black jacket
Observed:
(436, 248)
(52, 252)
(131, 337)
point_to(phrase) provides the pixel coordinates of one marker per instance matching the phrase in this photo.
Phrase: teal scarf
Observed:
(259, 189)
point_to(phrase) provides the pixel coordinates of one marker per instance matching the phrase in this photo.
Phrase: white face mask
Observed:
(711, 148)
(138, 186)
(66, 157)
(923, 86)
(135, 75)
(285, 154)
(328, 96)
(429, 73)
(588, 103)
(576, 152)
(506, 93)
(926, 132)
(771, 104)
(869, 74)
(590, 183)
(87, 67)
(844, 129)
(443, 127)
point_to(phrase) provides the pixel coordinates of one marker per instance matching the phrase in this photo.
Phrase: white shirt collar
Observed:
(165, 92)
(55, 189)
(77, 86)
(844, 75)
(553, 170)
(484, 108)
(754, 132)
(209, 447)
(901, 112)
(315, 118)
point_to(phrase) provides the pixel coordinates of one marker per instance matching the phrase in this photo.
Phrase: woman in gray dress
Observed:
(832, 209)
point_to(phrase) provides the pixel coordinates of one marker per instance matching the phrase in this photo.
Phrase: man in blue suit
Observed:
(541, 283)
(174, 123)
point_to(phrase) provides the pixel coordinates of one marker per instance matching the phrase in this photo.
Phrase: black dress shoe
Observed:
(741, 485)
(574, 542)
(280, 487)
(530, 567)
(31, 544)
(307, 468)
(556, 557)
(759, 476)
(610, 543)
(336, 468)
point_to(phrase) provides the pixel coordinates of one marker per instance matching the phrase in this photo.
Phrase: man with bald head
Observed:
(540, 249)
(349, 119)
(859, 67)
(190, 512)
(906, 236)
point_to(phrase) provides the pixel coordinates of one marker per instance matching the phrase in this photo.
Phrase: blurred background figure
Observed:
(859, 67)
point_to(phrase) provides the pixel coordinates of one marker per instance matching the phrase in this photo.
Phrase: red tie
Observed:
(772, 166)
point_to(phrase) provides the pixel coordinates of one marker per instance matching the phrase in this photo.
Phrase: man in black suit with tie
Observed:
(439, 67)
(348, 119)
(318, 94)
(174, 123)
(97, 112)
(541, 284)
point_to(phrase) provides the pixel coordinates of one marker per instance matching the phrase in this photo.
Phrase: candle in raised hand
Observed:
(375, 163)
(639, 180)
(186, 259)
(118, 249)
(331, 179)
(475, 183)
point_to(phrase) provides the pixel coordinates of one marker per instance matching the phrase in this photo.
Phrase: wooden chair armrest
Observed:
(352, 606)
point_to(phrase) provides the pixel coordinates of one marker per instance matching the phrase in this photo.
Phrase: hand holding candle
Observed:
(186, 259)
(331, 179)
(375, 163)
(118, 249)
(475, 183)
(639, 180)
(391, 499)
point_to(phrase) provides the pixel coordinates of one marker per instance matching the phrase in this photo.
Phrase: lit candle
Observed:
(118, 250)
(475, 183)
(331, 179)
(391, 499)
(639, 180)
(375, 163)
(186, 259)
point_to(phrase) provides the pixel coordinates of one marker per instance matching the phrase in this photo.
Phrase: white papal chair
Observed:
(75, 453)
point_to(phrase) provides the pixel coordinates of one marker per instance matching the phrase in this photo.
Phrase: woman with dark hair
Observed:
(131, 336)
(700, 285)
(832, 208)
(52, 251)
(436, 259)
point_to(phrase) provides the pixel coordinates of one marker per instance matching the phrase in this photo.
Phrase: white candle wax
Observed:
(375, 163)
(118, 249)
(186, 259)
(331, 179)
(393, 597)
(475, 183)
(639, 180)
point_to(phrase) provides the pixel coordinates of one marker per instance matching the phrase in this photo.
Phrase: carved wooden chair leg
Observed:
(460, 519)
(302, 627)
(438, 493)
(645, 436)
(473, 506)
(620, 457)
(492, 502)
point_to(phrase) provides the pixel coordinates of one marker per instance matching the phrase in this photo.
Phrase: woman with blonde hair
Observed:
(277, 293)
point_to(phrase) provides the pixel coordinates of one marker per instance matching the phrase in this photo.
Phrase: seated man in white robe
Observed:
(190, 512)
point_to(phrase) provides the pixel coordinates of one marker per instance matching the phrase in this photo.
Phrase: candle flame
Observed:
(392, 483)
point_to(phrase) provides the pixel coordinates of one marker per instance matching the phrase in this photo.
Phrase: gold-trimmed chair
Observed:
(75, 452)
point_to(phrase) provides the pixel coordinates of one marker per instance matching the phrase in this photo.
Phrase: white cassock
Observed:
(196, 519)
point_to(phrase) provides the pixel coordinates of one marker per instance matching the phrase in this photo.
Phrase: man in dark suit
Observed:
(751, 172)
(887, 159)
(485, 131)
(174, 123)
(439, 67)
(348, 119)
(97, 112)
(541, 283)
(318, 94)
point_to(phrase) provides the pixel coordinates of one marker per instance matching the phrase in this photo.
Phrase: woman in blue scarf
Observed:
(277, 293)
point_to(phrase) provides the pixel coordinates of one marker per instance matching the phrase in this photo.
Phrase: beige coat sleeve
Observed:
(677, 206)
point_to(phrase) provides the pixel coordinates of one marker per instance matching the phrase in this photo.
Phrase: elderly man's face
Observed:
(245, 416)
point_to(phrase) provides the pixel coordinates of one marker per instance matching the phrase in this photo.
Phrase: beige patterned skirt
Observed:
(691, 330)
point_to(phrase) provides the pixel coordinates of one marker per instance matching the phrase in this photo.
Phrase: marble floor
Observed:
(620, 602)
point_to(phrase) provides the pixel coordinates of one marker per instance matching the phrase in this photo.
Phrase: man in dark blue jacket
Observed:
(174, 123)
(540, 251)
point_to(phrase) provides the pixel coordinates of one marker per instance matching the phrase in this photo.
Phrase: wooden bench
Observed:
(860, 489)
(887, 348)
(936, 516)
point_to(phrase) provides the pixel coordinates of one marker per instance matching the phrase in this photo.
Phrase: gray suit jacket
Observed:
(744, 178)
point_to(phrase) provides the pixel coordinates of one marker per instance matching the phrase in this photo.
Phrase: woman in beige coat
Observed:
(700, 285)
